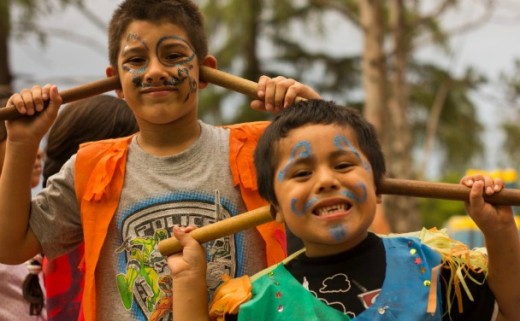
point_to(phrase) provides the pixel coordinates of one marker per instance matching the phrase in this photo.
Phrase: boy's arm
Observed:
(17, 241)
(498, 225)
(277, 93)
(190, 294)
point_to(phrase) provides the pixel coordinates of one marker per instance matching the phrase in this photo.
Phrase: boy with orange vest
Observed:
(123, 196)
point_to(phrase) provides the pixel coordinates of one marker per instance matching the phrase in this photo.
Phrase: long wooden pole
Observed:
(260, 216)
(211, 75)
(389, 186)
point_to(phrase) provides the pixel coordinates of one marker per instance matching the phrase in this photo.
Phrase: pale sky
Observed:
(491, 49)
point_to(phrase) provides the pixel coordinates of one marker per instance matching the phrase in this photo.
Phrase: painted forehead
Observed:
(303, 149)
(134, 39)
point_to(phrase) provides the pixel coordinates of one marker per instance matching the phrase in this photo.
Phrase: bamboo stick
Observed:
(250, 219)
(390, 186)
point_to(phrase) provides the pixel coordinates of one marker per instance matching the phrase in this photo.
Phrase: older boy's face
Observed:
(325, 188)
(159, 72)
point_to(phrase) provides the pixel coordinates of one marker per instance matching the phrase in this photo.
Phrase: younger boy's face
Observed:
(159, 72)
(325, 188)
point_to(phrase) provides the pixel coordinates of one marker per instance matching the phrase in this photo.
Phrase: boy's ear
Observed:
(379, 198)
(111, 72)
(276, 213)
(209, 61)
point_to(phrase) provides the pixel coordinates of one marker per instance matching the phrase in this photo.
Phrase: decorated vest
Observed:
(409, 291)
(99, 176)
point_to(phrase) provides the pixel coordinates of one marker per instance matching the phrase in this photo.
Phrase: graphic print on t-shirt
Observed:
(141, 266)
(332, 292)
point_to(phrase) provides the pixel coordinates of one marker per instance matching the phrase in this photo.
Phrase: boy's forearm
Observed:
(190, 299)
(17, 243)
(504, 277)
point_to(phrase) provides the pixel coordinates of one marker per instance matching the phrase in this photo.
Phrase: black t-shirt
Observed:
(364, 267)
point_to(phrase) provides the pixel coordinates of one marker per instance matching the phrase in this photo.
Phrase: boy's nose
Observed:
(326, 181)
(156, 71)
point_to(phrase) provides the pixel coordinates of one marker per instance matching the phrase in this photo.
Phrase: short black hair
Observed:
(309, 112)
(183, 13)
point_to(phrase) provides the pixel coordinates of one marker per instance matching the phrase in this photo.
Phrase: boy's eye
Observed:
(342, 166)
(174, 58)
(135, 61)
(301, 174)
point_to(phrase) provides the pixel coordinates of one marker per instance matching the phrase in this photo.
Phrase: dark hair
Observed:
(183, 13)
(90, 119)
(313, 112)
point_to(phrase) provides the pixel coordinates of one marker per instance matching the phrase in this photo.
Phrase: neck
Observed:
(168, 139)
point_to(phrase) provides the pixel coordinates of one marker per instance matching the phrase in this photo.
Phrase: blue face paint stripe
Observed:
(358, 199)
(339, 139)
(305, 153)
(306, 207)
(338, 232)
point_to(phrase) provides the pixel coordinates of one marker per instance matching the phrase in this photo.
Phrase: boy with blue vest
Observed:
(320, 166)
(122, 196)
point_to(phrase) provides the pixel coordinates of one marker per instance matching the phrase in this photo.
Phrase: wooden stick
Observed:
(390, 186)
(69, 95)
(219, 229)
(208, 74)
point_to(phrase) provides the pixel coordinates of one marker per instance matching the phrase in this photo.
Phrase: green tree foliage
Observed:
(511, 112)
(19, 18)
(456, 119)
(292, 38)
(435, 212)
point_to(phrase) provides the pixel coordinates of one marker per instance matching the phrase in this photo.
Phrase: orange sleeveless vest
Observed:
(99, 175)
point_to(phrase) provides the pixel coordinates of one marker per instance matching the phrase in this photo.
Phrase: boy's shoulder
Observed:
(249, 129)
(105, 144)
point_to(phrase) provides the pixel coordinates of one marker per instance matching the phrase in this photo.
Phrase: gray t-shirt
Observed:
(193, 187)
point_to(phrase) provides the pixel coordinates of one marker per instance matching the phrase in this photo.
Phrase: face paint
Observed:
(340, 141)
(301, 150)
(306, 206)
(354, 197)
(338, 232)
(183, 67)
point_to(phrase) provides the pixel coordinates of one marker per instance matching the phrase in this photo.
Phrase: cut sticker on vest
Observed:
(341, 141)
(334, 304)
(301, 150)
(140, 265)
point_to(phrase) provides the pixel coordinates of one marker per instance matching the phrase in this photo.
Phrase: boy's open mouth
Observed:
(332, 209)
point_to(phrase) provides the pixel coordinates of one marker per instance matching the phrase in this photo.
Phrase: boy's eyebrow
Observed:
(130, 47)
(133, 36)
(178, 41)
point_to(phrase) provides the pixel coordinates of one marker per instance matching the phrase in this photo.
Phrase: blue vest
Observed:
(277, 295)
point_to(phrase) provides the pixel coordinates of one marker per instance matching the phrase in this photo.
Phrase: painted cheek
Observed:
(301, 150)
(137, 75)
(183, 73)
(300, 212)
(357, 198)
(338, 232)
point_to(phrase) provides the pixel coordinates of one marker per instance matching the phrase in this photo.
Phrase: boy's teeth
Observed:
(327, 210)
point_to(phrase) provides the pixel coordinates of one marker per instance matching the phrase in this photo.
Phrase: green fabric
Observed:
(277, 295)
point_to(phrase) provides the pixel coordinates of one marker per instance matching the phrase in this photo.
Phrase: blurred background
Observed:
(439, 79)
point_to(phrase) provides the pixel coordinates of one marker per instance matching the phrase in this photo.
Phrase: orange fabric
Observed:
(229, 296)
(242, 143)
(99, 176)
